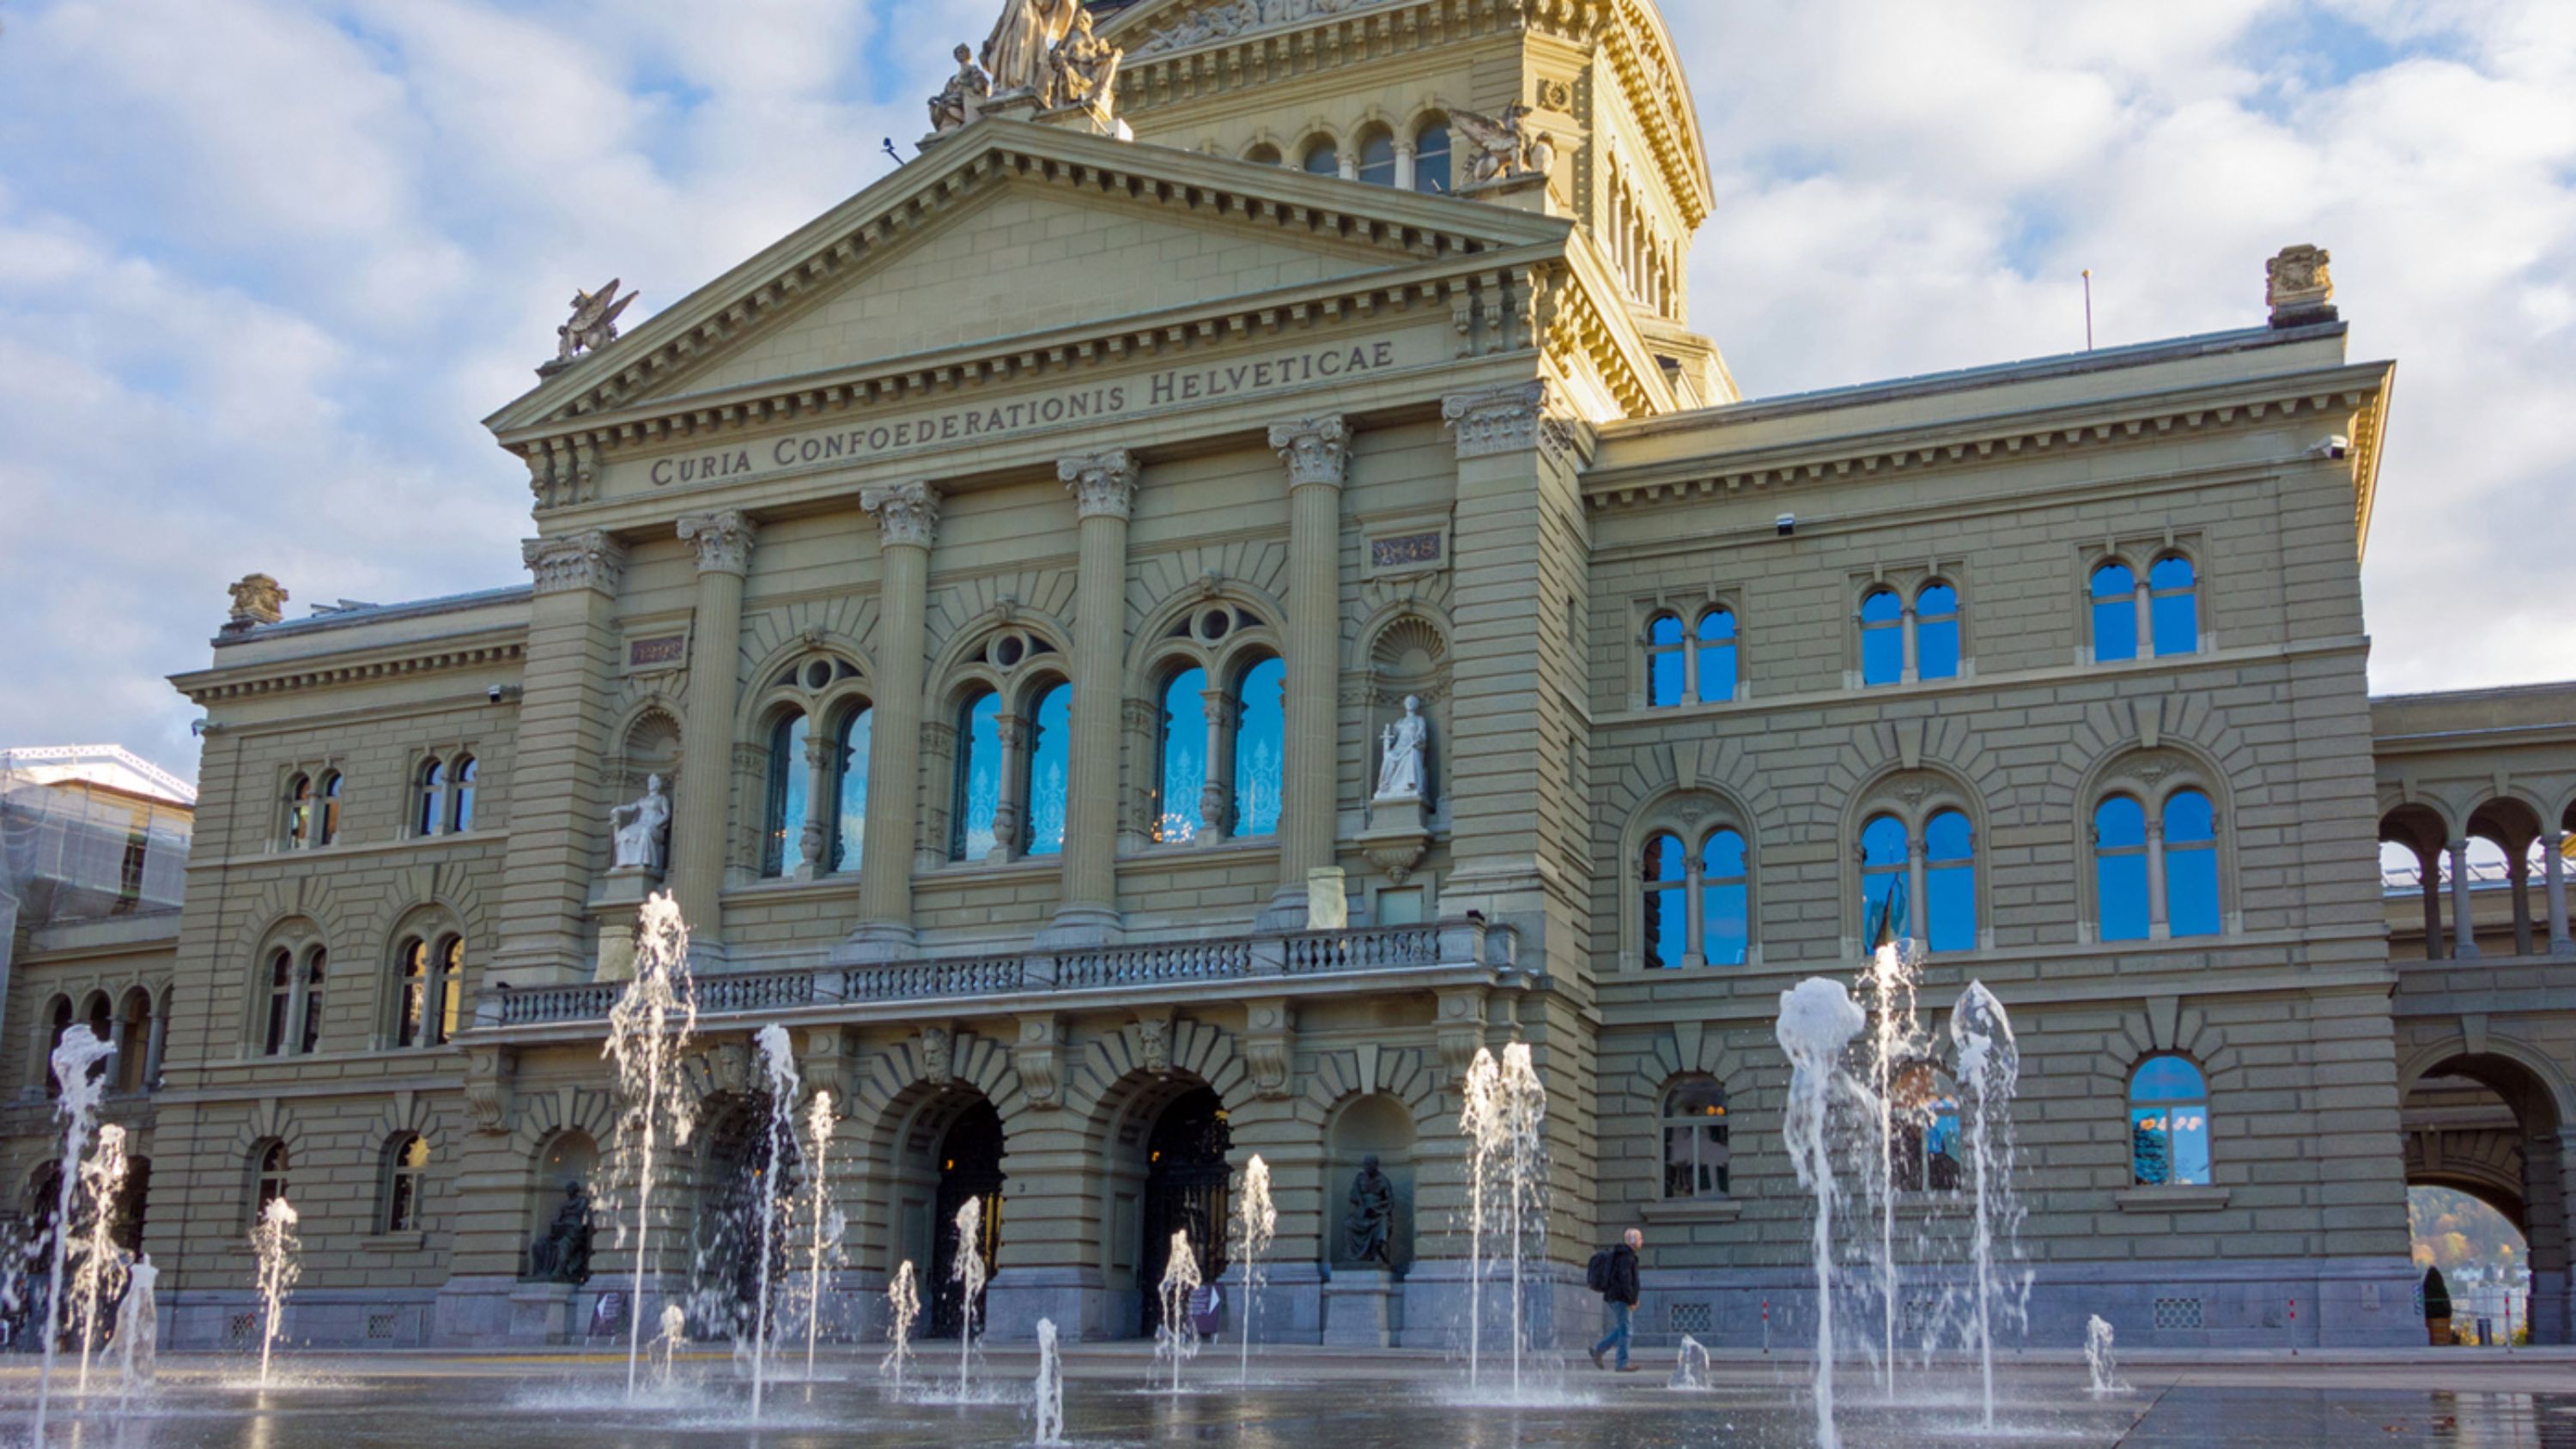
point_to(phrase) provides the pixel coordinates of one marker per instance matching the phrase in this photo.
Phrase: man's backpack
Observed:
(1596, 1274)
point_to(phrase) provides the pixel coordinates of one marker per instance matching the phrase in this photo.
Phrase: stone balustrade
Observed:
(1468, 944)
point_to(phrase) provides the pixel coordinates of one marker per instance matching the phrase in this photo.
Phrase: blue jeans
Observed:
(1618, 1334)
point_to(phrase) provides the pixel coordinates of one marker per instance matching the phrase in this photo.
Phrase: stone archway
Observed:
(1187, 1188)
(2489, 1125)
(964, 1166)
(736, 1160)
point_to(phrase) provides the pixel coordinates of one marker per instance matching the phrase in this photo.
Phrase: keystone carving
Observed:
(1039, 1059)
(1269, 1048)
(488, 1089)
(938, 1056)
(1154, 1040)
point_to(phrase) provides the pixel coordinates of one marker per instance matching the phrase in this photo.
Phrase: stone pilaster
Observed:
(2464, 924)
(1317, 454)
(907, 519)
(561, 815)
(1104, 489)
(2553, 865)
(724, 542)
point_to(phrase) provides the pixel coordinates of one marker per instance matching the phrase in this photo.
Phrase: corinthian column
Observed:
(907, 519)
(1104, 491)
(1317, 452)
(723, 541)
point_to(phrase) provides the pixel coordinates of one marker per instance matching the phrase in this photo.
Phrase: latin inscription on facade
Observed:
(1172, 387)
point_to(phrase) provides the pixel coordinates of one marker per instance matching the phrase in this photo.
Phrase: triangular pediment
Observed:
(1008, 232)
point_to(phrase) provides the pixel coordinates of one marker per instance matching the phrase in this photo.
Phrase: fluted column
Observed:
(1317, 452)
(1104, 491)
(907, 519)
(723, 541)
(2464, 923)
(2553, 866)
(560, 798)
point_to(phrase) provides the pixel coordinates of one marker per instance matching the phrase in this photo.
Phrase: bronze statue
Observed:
(1369, 1232)
(563, 1254)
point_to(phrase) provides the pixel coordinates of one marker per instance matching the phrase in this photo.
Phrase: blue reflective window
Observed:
(1936, 632)
(1667, 911)
(2175, 603)
(1663, 660)
(1725, 898)
(2191, 865)
(1260, 748)
(1431, 158)
(1882, 877)
(1050, 763)
(1322, 159)
(1184, 767)
(978, 796)
(1717, 655)
(1882, 638)
(433, 787)
(2115, 613)
(2120, 868)
(1950, 882)
(2169, 1125)
(783, 844)
(850, 795)
(1377, 158)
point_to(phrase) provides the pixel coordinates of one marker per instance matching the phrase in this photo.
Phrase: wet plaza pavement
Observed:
(1307, 1401)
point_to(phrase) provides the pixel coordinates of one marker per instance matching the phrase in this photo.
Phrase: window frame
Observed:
(1915, 800)
(464, 792)
(1690, 619)
(828, 689)
(2155, 780)
(2207, 1126)
(1693, 820)
(403, 1191)
(272, 1175)
(1446, 182)
(1670, 1119)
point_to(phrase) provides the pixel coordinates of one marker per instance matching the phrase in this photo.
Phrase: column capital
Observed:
(1103, 484)
(1316, 450)
(723, 540)
(905, 513)
(1512, 418)
(571, 561)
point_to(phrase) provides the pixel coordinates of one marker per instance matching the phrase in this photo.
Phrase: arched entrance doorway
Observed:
(734, 1174)
(1188, 1188)
(970, 1170)
(2488, 1125)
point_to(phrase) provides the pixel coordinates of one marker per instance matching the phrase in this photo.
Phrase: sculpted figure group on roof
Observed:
(1040, 48)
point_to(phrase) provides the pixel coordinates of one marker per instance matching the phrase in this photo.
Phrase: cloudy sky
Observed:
(264, 264)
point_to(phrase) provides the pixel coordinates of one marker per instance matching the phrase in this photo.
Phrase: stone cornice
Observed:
(472, 651)
(2331, 395)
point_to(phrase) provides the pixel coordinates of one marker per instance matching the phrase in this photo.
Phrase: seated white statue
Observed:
(1399, 773)
(642, 831)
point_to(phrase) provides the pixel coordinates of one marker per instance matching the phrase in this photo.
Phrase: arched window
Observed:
(460, 799)
(1726, 898)
(406, 1171)
(1377, 157)
(782, 847)
(849, 834)
(299, 811)
(1950, 882)
(978, 795)
(1715, 661)
(2115, 613)
(2120, 868)
(1182, 775)
(2174, 593)
(1886, 910)
(1667, 906)
(61, 1025)
(268, 1176)
(1882, 637)
(1264, 154)
(1323, 157)
(433, 793)
(413, 994)
(281, 1002)
(134, 1041)
(1926, 1110)
(1431, 158)
(451, 990)
(1047, 781)
(1260, 748)
(1666, 661)
(1697, 1160)
(1936, 632)
(2169, 1124)
(317, 965)
(326, 818)
(2191, 864)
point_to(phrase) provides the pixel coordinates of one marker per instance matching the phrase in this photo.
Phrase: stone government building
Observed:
(1012, 575)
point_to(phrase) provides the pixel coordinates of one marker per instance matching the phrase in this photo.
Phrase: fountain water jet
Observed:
(645, 1042)
(1989, 1073)
(829, 1225)
(102, 1264)
(1260, 1225)
(1817, 1024)
(138, 1326)
(275, 1242)
(1049, 1410)
(1505, 1122)
(1525, 1125)
(1479, 1121)
(666, 1346)
(969, 1277)
(1690, 1366)
(778, 1065)
(80, 1073)
(2099, 1360)
(1178, 1338)
(903, 1306)
(1896, 1039)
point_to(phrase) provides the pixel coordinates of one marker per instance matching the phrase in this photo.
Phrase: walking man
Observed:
(1614, 1276)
